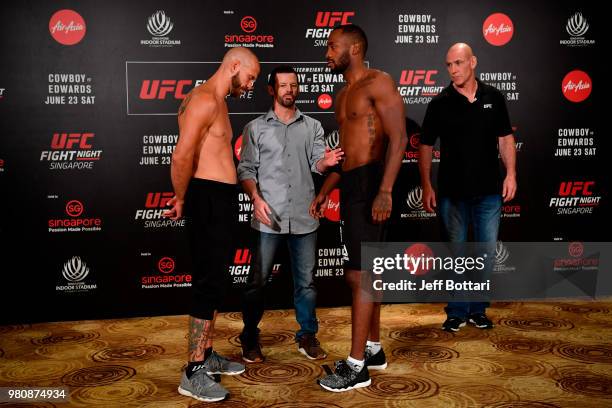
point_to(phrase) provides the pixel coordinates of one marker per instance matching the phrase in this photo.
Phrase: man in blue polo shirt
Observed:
(471, 120)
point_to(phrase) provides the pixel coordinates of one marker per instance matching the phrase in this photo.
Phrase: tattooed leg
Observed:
(200, 335)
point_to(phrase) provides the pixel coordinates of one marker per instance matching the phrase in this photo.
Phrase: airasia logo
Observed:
(238, 147)
(160, 89)
(575, 188)
(332, 18)
(67, 27)
(74, 208)
(575, 249)
(158, 200)
(415, 77)
(166, 265)
(242, 257)
(62, 141)
(576, 86)
(332, 212)
(324, 101)
(248, 24)
(498, 29)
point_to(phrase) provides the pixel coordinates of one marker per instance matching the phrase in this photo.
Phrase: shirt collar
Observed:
(479, 90)
(272, 115)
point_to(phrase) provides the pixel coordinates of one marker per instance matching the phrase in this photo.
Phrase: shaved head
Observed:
(460, 49)
(242, 55)
(460, 64)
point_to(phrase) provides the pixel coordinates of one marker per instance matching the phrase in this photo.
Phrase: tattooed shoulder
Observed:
(184, 104)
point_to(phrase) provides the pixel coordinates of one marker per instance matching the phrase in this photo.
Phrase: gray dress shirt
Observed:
(281, 158)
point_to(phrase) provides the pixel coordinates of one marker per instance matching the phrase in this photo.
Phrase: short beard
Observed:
(235, 87)
(343, 63)
(281, 101)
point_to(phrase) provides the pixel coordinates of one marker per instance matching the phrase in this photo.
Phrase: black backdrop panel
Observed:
(88, 130)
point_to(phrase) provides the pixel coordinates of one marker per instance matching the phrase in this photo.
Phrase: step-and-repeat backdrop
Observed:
(88, 99)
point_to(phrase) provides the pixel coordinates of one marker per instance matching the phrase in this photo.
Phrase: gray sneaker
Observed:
(217, 364)
(202, 387)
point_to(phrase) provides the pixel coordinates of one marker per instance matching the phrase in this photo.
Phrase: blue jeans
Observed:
(302, 252)
(483, 214)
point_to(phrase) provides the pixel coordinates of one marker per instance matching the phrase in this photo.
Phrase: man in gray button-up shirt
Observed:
(280, 151)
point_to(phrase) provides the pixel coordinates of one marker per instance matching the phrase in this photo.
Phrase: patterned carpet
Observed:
(538, 355)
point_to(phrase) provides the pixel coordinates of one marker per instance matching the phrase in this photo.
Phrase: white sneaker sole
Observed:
(303, 351)
(482, 326)
(225, 372)
(457, 329)
(358, 385)
(377, 367)
(186, 393)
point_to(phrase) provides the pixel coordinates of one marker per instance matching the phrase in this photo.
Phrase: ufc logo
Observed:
(158, 89)
(158, 200)
(331, 18)
(413, 77)
(242, 257)
(69, 140)
(572, 188)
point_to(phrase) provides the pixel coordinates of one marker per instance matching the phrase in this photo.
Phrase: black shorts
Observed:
(358, 188)
(211, 210)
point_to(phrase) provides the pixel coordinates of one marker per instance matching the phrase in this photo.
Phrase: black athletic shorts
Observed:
(211, 210)
(358, 188)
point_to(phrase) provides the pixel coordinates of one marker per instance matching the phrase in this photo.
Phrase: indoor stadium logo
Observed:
(576, 86)
(332, 140)
(498, 29)
(67, 27)
(159, 25)
(577, 25)
(501, 253)
(414, 200)
(75, 270)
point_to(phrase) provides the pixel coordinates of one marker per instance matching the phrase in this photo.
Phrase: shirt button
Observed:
(289, 185)
(289, 200)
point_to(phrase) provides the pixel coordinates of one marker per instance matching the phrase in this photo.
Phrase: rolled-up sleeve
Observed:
(318, 147)
(249, 154)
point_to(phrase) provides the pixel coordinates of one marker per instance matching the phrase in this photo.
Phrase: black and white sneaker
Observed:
(376, 361)
(345, 378)
(481, 321)
(453, 324)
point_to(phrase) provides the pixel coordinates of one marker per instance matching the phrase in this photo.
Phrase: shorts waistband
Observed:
(364, 169)
(212, 184)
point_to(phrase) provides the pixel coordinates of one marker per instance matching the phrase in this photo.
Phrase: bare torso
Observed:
(213, 158)
(361, 132)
